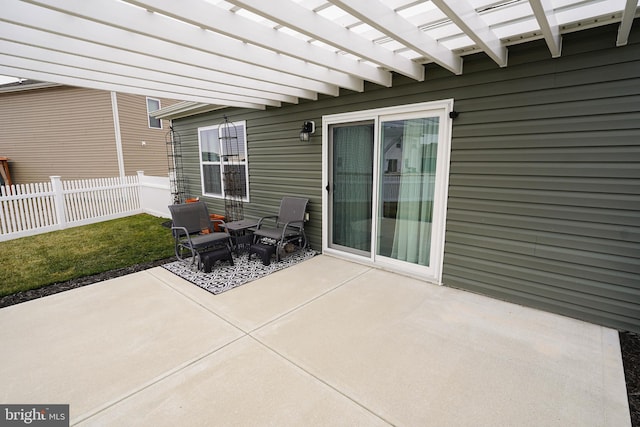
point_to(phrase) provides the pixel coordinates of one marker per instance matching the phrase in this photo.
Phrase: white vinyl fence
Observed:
(30, 209)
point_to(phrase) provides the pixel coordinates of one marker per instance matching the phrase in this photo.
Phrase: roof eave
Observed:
(185, 109)
(17, 87)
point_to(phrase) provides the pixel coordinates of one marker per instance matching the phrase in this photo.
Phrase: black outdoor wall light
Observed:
(307, 129)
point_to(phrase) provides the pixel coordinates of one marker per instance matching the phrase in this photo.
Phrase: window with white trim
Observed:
(224, 167)
(153, 105)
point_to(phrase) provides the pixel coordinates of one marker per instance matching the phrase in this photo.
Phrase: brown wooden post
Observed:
(4, 171)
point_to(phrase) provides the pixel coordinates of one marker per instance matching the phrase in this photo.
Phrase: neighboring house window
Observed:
(153, 105)
(224, 168)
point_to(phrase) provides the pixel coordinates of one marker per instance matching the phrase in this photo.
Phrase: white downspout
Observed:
(116, 128)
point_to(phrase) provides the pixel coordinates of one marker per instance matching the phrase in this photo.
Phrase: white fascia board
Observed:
(628, 15)
(91, 79)
(60, 23)
(462, 13)
(387, 21)
(30, 86)
(199, 13)
(307, 22)
(184, 109)
(173, 108)
(81, 48)
(194, 111)
(186, 84)
(546, 17)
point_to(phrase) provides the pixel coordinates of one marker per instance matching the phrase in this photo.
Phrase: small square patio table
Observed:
(242, 233)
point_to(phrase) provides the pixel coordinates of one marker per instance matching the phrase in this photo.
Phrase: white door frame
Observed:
(442, 108)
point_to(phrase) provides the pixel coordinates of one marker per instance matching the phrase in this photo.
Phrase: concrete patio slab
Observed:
(326, 342)
(417, 354)
(95, 345)
(244, 384)
(256, 303)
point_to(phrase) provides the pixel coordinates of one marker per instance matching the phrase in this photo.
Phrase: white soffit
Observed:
(259, 54)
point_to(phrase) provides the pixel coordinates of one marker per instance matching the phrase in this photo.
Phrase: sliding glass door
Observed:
(352, 185)
(408, 170)
(386, 172)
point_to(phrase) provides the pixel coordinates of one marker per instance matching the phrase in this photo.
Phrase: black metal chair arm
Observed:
(183, 229)
(179, 242)
(263, 218)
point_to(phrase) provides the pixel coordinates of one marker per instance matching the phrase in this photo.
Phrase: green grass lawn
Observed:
(36, 261)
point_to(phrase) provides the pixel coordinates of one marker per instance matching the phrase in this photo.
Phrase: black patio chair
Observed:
(287, 227)
(194, 233)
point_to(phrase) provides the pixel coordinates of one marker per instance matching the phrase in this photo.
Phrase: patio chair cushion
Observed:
(206, 240)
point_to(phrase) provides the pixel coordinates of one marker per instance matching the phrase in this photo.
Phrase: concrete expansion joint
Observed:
(162, 377)
(195, 301)
(310, 301)
(319, 379)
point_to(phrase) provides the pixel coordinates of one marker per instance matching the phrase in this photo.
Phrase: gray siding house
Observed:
(530, 193)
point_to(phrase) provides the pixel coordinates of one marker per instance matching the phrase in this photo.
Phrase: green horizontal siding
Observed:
(544, 195)
(279, 163)
(544, 190)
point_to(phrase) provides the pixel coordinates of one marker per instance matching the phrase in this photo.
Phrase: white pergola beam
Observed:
(462, 13)
(186, 84)
(233, 25)
(206, 53)
(99, 85)
(390, 23)
(140, 21)
(305, 21)
(546, 17)
(126, 84)
(628, 15)
(60, 23)
(84, 49)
